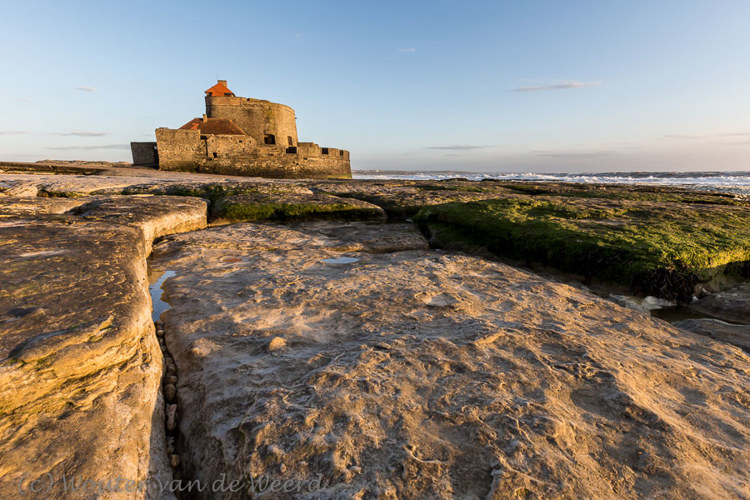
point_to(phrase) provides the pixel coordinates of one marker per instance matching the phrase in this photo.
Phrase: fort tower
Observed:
(266, 122)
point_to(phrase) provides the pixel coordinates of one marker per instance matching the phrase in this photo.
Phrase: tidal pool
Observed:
(341, 260)
(158, 305)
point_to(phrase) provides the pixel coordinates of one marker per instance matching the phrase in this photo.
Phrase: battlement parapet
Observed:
(312, 150)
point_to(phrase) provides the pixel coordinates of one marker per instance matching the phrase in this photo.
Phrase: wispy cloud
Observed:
(575, 155)
(82, 133)
(558, 86)
(81, 148)
(12, 132)
(86, 89)
(299, 35)
(705, 135)
(22, 99)
(457, 147)
(410, 49)
(686, 136)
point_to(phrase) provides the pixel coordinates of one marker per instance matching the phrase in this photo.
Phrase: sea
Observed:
(733, 182)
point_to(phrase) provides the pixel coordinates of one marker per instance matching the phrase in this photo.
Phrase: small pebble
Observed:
(171, 379)
(159, 324)
(170, 449)
(170, 391)
(172, 370)
(171, 417)
(160, 333)
(276, 343)
(174, 460)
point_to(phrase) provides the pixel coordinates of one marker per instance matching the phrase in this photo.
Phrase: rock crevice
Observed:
(80, 365)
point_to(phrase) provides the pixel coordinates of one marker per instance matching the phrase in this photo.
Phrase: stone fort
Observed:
(241, 136)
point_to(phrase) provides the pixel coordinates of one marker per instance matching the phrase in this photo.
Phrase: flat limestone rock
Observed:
(19, 189)
(116, 181)
(12, 206)
(347, 357)
(420, 374)
(80, 367)
(730, 305)
(155, 216)
(405, 198)
(350, 239)
(738, 335)
(371, 238)
(75, 185)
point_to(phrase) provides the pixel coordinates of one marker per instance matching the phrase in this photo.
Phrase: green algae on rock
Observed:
(286, 207)
(403, 199)
(214, 191)
(657, 248)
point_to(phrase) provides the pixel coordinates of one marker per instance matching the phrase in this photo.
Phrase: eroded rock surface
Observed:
(14, 206)
(80, 367)
(738, 335)
(347, 356)
(154, 216)
(404, 198)
(730, 305)
(294, 206)
(418, 374)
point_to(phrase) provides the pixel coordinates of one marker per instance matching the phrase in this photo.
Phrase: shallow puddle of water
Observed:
(659, 308)
(156, 280)
(677, 313)
(341, 260)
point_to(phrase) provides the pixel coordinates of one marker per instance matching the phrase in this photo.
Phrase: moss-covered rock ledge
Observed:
(287, 207)
(661, 248)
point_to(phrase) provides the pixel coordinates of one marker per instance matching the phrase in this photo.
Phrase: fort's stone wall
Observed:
(228, 146)
(178, 149)
(144, 153)
(258, 119)
(187, 150)
(275, 163)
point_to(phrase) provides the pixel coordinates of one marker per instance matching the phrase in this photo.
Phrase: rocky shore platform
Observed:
(368, 339)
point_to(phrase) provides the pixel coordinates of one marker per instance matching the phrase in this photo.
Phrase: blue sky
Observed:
(542, 86)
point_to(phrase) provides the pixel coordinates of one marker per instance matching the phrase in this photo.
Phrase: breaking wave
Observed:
(736, 182)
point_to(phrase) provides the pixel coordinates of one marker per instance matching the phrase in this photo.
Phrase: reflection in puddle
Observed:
(341, 260)
(659, 308)
(159, 306)
(642, 304)
(677, 313)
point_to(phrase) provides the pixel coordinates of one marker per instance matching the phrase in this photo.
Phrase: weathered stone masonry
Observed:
(242, 136)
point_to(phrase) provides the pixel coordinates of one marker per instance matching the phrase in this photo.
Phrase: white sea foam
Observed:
(735, 182)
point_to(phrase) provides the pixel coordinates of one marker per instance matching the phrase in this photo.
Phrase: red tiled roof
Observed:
(220, 89)
(213, 126)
